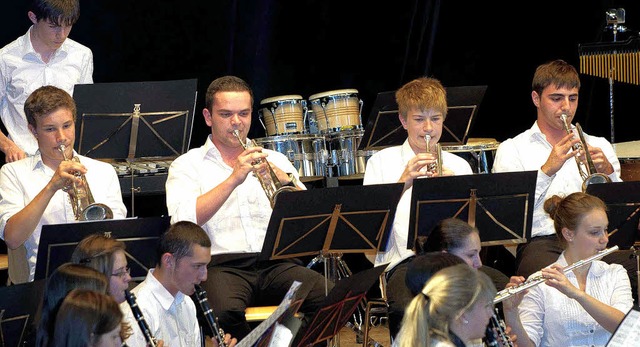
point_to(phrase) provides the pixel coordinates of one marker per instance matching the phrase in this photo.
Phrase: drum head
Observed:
(280, 98)
(333, 93)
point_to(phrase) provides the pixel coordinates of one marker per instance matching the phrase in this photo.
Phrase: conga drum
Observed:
(629, 155)
(284, 114)
(337, 110)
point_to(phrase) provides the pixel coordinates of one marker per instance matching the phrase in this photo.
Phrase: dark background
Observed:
(306, 47)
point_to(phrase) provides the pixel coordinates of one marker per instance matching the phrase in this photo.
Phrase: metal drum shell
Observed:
(307, 152)
(343, 148)
(479, 153)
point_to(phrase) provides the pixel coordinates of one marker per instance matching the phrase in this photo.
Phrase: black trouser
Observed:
(398, 295)
(537, 254)
(233, 285)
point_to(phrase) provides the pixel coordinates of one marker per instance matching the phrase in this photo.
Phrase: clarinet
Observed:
(137, 313)
(217, 332)
(496, 333)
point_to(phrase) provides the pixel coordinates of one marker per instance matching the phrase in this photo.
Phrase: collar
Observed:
(161, 294)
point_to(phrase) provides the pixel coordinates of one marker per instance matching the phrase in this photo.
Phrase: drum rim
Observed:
(280, 98)
(357, 131)
(286, 137)
(332, 92)
(467, 148)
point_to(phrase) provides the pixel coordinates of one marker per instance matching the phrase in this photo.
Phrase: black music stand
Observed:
(500, 205)
(58, 241)
(623, 202)
(339, 305)
(284, 315)
(107, 127)
(384, 129)
(18, 306)
(307, 222)
(134, 123)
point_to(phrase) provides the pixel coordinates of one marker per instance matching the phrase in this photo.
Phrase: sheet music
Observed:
(628, 332)
(281, 337)
(255, 335)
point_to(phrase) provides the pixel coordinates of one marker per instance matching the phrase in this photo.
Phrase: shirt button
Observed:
(591, 331)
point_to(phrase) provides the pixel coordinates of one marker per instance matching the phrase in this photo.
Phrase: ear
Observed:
(568, 234)
(168, 260)
(32, 17)
(207, 117)
(403, 120)
(535, 97)
(33, 130)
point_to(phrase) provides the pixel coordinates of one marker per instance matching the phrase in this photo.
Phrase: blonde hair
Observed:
(447, 295)
(424, 93)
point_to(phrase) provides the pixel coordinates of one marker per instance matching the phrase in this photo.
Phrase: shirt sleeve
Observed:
(182, 190)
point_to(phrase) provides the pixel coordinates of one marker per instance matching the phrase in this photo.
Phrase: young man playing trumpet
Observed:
(422, 109)
(547, 148)
(217, 187)
(36, 190)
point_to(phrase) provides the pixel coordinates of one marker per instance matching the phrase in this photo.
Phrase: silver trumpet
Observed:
(434, 168)
(534, 281)
(589, 174)
(84, 206)
(270, 183)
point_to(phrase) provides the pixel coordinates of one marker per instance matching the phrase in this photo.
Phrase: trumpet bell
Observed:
(595, 178)
(96, 211)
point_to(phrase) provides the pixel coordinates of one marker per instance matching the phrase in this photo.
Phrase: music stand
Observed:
(18, 306)
(262, 335)
(500, 205)
(384, 129)
(307, 222)
(130, 123)
(623, 203)
(58, 241)
(339, 305)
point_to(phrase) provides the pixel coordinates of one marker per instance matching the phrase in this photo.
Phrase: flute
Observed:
(534, 281)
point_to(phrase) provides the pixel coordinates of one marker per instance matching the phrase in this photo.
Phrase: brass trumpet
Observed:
(270, 183)
(84, 206)
(589, 174)
(437, 166)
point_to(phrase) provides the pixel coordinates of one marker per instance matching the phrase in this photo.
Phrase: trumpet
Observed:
(589, 175)
(535, 280)
(270, 183)
(434, 168)
(84, 206)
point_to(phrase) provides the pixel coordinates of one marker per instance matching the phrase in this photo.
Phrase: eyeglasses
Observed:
(121, 273)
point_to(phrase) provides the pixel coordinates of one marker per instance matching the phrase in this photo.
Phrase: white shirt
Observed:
(552, 319)
(240, 225)
(528, 152)
(171, 319)
(22, 180)
(386, 166)
(22, 71)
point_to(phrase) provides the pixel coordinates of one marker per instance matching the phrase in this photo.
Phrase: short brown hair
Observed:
(558, 73)
(45, 100)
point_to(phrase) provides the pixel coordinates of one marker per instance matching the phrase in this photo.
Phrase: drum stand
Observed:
(335, 268)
